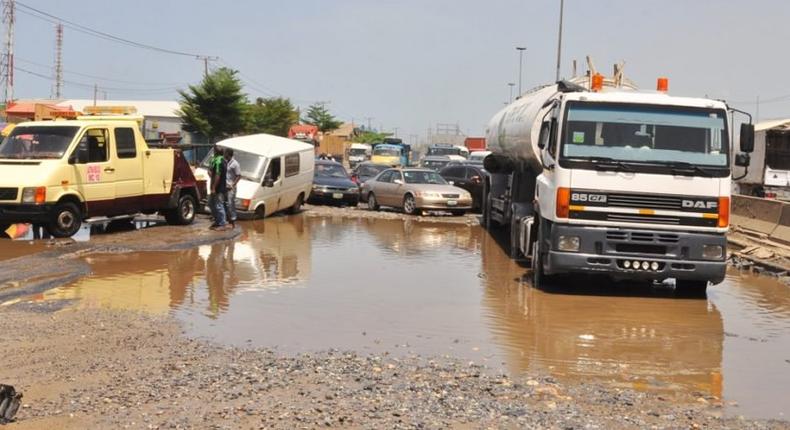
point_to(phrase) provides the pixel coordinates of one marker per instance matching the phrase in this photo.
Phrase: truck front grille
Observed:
(8, 193)
(644, 201)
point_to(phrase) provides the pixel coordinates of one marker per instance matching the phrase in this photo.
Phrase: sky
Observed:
(410, 64)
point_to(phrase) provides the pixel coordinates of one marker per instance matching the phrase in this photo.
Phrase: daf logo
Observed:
(592, 198)
(699, 204)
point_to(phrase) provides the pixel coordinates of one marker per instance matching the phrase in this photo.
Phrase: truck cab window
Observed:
(92, 147)
(125, 146)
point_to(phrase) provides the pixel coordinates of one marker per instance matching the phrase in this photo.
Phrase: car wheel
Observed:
(184, 213)
(66, 220)
(297, 206)
(409, 205)
(372, 203)
(691, 289)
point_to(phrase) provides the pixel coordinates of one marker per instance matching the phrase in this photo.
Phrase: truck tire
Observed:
(409, 205)
(297, 206)
(183, 213)
(372, 203)
(691, 289)
(66, 220)
(539, 278)
(515, 252)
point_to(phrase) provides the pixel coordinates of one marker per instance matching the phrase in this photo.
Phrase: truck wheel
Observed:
(372, 203)
(539, 278)
(515, 252)
(184, 213)
(66, 220)
(297, 207)
(409, 205)
(687, 288)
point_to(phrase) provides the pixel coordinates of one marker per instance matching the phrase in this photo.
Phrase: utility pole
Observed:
(7, 60)
(520, 63)
(369, 118)
(511, 85)
(559, 41)
(95, 93)
(58, 61)
(395, 131)
(206, 59)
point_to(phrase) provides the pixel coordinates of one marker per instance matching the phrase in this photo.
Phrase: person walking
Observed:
(219, 189)
(232, 178)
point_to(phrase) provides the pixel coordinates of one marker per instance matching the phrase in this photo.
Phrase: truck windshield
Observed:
(251, 164)
(37, 142)
(357, 151)
(386, 152)
(444, 151)
(663, 135)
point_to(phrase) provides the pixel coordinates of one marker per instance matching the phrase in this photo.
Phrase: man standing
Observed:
(219, 188)
(232, 178)
(212, 174)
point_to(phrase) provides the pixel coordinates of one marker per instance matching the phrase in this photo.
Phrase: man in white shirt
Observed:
(232, 178)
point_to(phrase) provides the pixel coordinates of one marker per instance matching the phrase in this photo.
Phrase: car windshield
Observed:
(371, 170)
(251, 164)
(330, 171)
(656, 135)
(386, 152)
(444, 151)
(37, 142)
(422, 177)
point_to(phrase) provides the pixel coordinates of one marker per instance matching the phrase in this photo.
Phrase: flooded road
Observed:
(303, 284)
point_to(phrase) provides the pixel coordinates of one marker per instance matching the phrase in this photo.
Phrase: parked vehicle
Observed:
(469, 177)
(62, 173)
(435, 162)
(475, 144)
(608, 180)
(768, 175)
(415, 190)
(358, 153)
(332, 185)
(276, 173)
(454, 152)
(478, 156)
(367, 170)
(392, 152)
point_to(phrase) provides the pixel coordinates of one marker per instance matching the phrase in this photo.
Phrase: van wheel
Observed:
(372, 203)
(409, 205)
(297, 207)
(184, 213)
(66, 220)
(260, 212)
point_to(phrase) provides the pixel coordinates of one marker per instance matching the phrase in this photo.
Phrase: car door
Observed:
(128, 171)
(377, 184)
(390, 190)
(95, 171)
(273, 185)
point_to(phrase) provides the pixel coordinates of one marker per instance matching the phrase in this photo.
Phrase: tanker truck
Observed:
(593, 176)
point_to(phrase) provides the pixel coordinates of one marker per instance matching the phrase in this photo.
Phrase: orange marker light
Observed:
(597, 82)
(724, 211)
(41, 195)
(662, 84)
(563, 202)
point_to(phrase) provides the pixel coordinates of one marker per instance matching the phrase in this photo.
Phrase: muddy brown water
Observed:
(381, 286)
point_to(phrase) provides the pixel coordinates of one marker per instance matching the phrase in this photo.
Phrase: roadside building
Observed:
(159, 116)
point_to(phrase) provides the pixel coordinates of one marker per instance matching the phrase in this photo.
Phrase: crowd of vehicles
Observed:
(59, 174)
(592, 176)
(276, 173)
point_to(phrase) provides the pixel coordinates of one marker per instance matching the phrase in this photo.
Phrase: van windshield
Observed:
(251, 164)
(37, 142)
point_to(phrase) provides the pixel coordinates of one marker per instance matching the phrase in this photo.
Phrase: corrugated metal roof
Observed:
(158, 108)
(774, 123)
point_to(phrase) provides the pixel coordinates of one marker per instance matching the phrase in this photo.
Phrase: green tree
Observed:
(215, 107)
(370, 137)
(318, 115)
(272, 116)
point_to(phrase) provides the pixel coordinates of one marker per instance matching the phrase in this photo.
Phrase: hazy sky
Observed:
(412, 63)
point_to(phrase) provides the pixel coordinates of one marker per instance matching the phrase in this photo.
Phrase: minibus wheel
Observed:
(66, 220)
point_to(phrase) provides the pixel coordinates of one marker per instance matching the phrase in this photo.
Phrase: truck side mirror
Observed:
(742, 160)
(747, 137)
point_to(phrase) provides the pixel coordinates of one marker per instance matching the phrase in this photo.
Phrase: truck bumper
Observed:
(613, 252)
(23, 213)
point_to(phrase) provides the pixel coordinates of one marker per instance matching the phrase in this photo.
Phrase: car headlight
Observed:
(430, 194)
(37, 195)
(353, 190)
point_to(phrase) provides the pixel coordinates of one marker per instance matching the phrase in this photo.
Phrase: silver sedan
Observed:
(415, 190)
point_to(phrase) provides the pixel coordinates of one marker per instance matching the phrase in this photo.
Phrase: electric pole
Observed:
(58, 61)
(520, 63)
(559, 41)
(205, 59)
(511, 85)
(7, 60)
(95, 93)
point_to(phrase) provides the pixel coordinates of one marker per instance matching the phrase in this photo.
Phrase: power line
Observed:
(31, 11)
(101, 78)
(91, 86)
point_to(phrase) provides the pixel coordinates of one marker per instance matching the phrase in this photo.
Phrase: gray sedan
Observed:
(415, 190)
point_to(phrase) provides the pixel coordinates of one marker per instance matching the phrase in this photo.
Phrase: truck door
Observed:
(128, 171)
(94, 171)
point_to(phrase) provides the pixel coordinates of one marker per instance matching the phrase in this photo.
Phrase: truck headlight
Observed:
(568, 243)
(37, 195)
(712, 252)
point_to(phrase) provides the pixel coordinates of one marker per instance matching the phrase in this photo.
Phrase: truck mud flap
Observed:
(9, 403)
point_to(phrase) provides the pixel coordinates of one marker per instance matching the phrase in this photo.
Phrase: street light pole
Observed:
(511, 85)
(520, 63)
(559, 41)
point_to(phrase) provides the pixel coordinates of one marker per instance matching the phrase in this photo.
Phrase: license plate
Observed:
(452, 203)
(337, 195)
